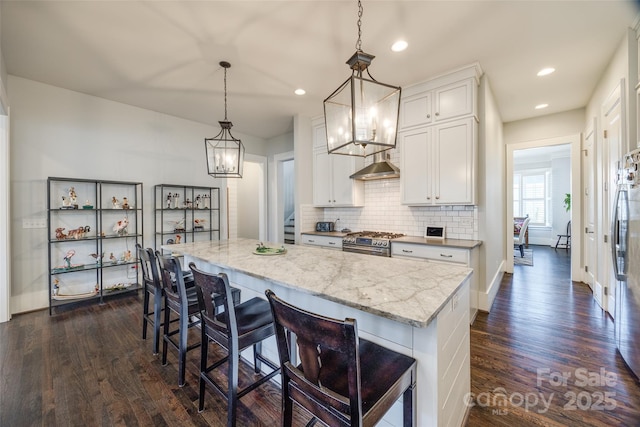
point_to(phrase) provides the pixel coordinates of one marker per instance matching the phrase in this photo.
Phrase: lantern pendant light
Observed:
(361, 116)
(225, 154)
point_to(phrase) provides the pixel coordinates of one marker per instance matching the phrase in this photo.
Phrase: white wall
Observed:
(543, 127)
(56, 132)
(5, 230)
(491, 196)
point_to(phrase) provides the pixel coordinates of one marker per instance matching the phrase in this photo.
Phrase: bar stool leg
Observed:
(408, 407)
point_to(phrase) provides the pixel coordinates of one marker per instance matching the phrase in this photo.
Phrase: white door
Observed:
(612, 147)
(589, 206)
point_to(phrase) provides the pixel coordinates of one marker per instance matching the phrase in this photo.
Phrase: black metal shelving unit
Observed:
(90, 257)
(194, 215)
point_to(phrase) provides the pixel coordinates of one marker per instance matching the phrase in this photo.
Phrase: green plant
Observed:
(567, 201)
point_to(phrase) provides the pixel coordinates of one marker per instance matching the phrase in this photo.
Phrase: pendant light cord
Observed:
(359, 42)
(225, 94)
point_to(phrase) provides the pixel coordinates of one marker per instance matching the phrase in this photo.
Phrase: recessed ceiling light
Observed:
(546, 71)
(399, 46)
(300, 92)
(541, 106)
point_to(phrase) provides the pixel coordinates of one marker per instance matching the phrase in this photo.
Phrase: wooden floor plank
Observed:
(88, 365)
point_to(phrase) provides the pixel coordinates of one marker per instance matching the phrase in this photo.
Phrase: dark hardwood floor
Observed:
(89, 366)
(546, 356)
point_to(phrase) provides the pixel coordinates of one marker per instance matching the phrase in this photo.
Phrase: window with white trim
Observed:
(532, 195)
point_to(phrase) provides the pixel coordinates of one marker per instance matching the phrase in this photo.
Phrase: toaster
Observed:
(324, 226)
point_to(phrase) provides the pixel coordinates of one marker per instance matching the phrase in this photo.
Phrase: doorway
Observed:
(546, 211)
(251, 199)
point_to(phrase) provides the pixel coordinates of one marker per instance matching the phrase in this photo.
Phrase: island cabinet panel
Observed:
(454, 369)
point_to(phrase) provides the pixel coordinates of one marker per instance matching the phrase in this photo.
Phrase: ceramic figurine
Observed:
(198, 223)
(79, 233)
(115, 203)
(97, 257)
(127, 256)
(125, 203)
(169, 197)
(178, 238)
(68, 256)
(60, 235)
(121, 227)
(56, 287)
(198, 200)
(179, 226)
(73, 197)
(112, 258)
(176, 196)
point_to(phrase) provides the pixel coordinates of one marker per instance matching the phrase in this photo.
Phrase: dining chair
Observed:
(519, 239)
(341, 380)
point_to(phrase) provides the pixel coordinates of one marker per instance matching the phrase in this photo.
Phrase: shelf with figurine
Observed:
(185, 211)
(101, 233)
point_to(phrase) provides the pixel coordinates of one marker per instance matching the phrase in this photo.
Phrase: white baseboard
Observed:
(485, 299)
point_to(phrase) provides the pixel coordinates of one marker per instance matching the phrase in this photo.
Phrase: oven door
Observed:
(369, 250)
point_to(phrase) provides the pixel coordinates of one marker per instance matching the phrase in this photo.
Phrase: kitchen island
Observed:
(414, 307)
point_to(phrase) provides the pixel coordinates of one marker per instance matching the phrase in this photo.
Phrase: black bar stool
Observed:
(236, 328)
(342, 380)
(151, 287)
(183, 302)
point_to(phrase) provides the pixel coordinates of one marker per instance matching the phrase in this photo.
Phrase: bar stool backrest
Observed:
(223, 326)
(329, 373)
(173, 283)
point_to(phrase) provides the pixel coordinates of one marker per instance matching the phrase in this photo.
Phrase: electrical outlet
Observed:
(466, 222)
(34, 223)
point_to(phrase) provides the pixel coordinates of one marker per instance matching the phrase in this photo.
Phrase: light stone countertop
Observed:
(404, 290)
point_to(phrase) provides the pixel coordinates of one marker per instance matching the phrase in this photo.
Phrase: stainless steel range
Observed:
(369, 242)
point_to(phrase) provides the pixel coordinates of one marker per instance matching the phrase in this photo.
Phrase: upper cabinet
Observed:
(332, 186)
(439, 104)
(438, 164)
(438, 140)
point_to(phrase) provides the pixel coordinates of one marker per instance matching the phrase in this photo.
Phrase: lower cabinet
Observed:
(329, 242)
(461, 256)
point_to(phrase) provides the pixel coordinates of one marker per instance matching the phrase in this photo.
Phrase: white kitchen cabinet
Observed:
(438, 164)
(447, 102)
(332, 186)
(329, 242)
(467, 256)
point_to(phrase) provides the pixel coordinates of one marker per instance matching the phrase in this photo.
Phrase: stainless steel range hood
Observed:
(380, 168)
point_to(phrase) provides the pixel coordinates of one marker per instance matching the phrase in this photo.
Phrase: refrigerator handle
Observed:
(615, 235)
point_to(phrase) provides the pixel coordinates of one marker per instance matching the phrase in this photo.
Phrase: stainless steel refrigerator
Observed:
(626, 259)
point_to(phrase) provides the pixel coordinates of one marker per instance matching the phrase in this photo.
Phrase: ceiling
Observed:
(164, 55)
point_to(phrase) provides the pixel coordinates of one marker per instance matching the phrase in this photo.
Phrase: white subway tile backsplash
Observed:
(384, 212)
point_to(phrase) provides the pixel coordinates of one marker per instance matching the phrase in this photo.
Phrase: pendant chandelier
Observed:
(225, 154)
(361, 116)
